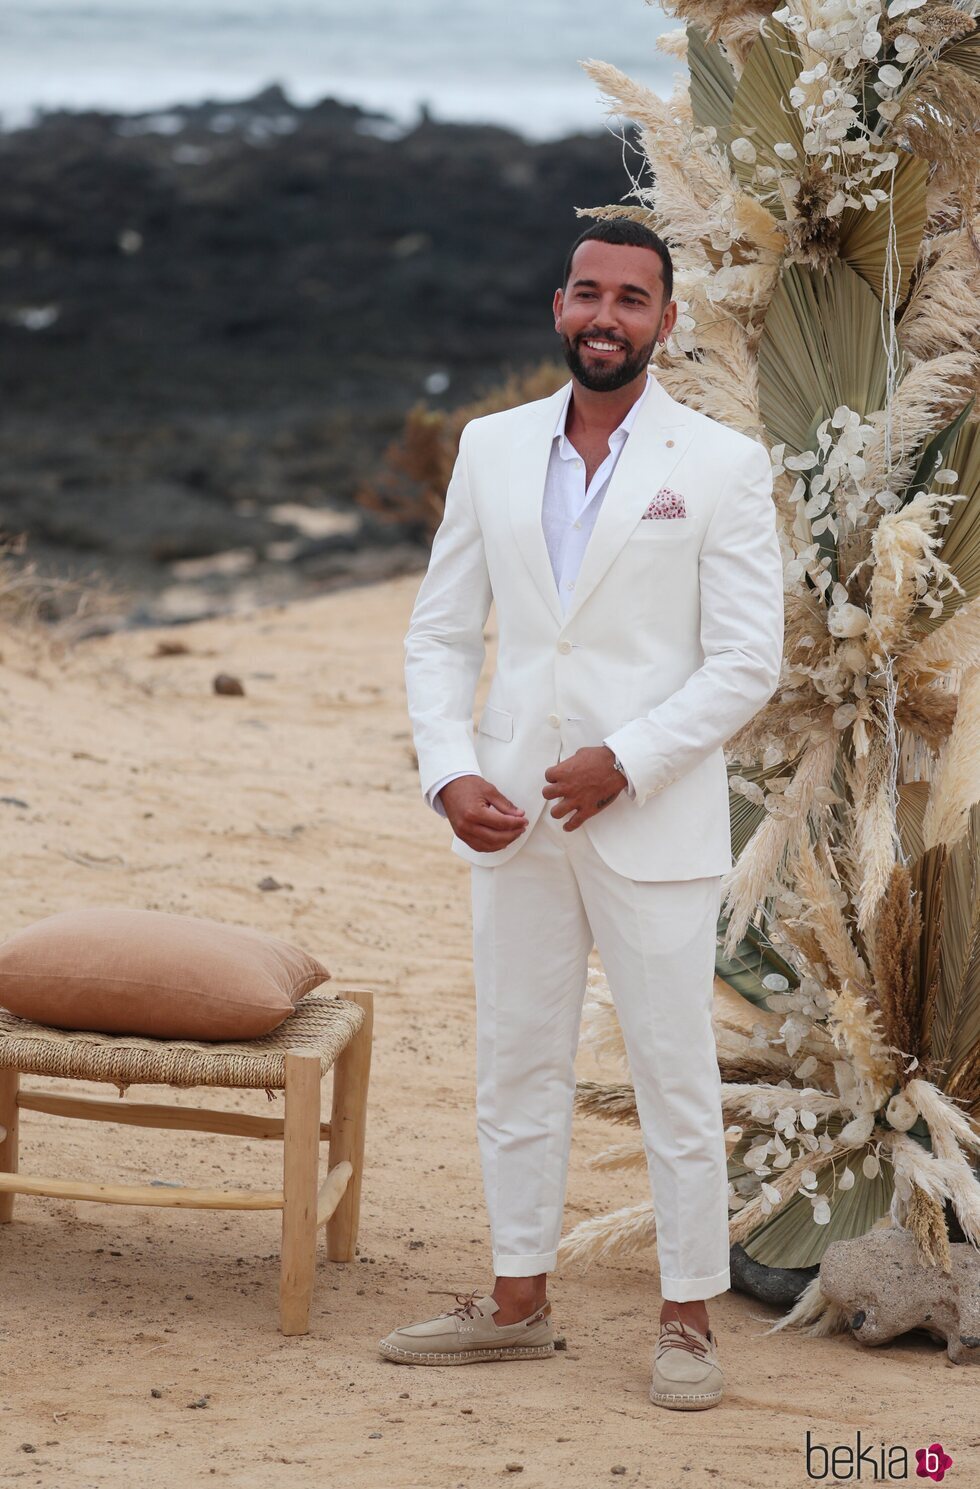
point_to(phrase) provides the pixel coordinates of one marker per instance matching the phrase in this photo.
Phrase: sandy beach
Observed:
(140, 1348)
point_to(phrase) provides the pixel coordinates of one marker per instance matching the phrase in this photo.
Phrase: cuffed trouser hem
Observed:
(524, 1266)
(691, 1289)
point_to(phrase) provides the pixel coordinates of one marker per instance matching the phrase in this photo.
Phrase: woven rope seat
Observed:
(321, 1024)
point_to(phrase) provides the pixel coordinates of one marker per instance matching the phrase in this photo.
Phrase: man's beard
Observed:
(600, 378)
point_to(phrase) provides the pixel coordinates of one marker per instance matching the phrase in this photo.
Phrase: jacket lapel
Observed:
(659, 437)
(530, 454)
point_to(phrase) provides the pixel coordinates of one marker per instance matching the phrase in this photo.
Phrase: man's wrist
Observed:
(620, 769)
(462, 776)
(616, 764)
(434, 795)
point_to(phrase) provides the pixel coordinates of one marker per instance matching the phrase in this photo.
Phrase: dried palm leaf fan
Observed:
(827, 271)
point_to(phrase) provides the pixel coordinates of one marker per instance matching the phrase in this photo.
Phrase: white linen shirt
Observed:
(568, 515)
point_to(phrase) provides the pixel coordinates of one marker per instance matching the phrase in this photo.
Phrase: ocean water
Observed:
(513, 62)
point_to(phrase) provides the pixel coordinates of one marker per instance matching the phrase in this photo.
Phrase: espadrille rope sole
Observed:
(681, 1402)
(466, 1356)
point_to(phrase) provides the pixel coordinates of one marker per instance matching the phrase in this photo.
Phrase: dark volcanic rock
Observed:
(223, 308)
(780, 1286)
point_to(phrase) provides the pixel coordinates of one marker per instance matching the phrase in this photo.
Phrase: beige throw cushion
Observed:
(122, 971)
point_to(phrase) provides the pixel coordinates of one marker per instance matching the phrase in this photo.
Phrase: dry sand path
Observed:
(144, 788)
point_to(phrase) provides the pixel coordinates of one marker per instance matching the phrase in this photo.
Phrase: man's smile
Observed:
(602, 348)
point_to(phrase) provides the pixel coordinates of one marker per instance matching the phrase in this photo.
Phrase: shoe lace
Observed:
(466, 1301)
(678, 1337)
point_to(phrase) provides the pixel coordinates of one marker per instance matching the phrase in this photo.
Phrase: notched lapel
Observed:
(528, 472)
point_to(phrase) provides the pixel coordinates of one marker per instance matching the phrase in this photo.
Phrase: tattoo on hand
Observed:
(604, 802)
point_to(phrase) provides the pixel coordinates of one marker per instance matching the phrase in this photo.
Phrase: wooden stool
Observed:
(323, 1033)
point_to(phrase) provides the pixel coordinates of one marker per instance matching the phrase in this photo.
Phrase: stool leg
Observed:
(300, 1158)
(9, 1120)
(348, 1119)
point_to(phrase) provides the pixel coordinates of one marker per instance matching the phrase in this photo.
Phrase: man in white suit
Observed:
(630, 547)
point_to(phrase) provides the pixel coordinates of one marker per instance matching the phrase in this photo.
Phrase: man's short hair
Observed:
(631, 234)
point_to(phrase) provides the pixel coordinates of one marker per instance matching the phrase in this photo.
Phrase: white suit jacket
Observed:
(672, 642)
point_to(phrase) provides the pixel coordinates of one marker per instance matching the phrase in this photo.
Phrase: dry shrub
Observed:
(50, 613)
(411, 487)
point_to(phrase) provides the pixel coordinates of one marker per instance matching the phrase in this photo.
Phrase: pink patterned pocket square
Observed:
(666, 503)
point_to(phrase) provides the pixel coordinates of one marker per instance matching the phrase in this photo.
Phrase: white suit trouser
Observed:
(535, 918)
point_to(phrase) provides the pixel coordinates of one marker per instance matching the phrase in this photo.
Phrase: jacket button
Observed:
(564, 646)
(554, 720)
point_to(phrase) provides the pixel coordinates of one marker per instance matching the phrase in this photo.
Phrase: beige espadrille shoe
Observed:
(467, 1334)
(686, 1372)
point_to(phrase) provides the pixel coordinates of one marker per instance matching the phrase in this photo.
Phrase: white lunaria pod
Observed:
(900, 1112)
(856, 1132)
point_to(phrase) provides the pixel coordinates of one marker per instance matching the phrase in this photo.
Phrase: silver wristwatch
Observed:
(618, 764)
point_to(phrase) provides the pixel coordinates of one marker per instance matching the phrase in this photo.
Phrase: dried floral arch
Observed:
(815, 173)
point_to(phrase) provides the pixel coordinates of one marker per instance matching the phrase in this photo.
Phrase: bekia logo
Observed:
(933, 1462)
(874, 1462)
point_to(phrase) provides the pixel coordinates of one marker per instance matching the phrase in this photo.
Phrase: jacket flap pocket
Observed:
(496, 722)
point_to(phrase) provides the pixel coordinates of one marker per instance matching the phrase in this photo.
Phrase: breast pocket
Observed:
(496, 722)
(664, 531)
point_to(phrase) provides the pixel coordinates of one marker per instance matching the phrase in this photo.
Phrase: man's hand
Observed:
(481, 815)
(585, 783)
